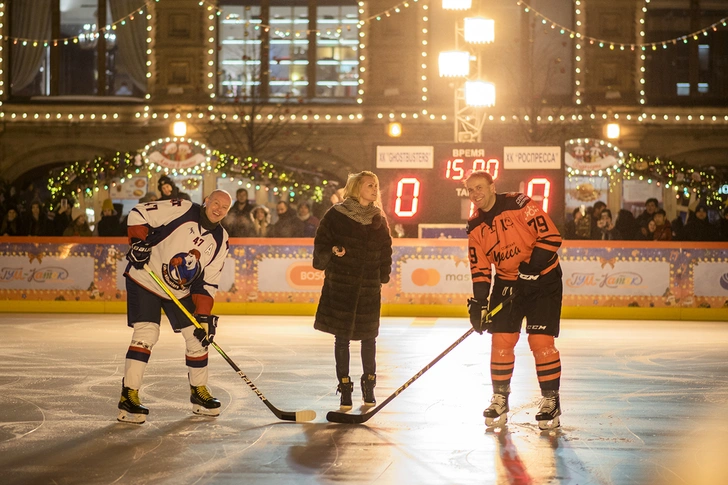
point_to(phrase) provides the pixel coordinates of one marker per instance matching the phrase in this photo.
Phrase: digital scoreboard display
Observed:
(425, 185)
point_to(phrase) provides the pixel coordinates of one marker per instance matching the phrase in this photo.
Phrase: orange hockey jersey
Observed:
(515, 230)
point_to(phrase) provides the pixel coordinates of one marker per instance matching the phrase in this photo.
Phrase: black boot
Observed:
(345, 388)
(368, 383)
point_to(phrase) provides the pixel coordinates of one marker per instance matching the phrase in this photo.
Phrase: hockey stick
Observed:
(307, 415)
(338, 417)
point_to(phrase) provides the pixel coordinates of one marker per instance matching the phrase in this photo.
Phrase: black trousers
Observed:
(368, 356)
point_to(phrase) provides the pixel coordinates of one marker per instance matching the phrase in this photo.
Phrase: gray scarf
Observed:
(354, 210)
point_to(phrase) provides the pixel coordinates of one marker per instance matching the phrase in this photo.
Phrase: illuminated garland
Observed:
(680, 177)
(87, 177)
(24, 41)
(295, 182)
(621, 45)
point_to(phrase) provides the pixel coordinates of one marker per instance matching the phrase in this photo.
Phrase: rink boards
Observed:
(430, 277)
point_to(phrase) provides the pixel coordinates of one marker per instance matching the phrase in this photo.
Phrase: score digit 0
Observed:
(411, 181)
(546, 192)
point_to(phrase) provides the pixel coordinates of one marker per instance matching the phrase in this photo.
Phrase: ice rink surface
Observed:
(643, 403)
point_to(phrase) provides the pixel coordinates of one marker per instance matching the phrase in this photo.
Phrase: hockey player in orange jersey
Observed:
(513, 233)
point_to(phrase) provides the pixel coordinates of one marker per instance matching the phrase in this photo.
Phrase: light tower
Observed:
(473, 93)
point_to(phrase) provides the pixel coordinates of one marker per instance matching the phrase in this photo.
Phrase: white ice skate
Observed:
(549, 411)
(496, 415)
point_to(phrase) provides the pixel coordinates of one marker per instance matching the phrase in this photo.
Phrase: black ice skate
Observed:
(130, 408)
(549, 412)
(202, 401)
(368, 383)
(496, 415)
(346, 387)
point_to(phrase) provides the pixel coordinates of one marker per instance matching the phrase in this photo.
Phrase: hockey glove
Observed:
(209, 322)
(477, 312)
(528, 284)
(139, 253)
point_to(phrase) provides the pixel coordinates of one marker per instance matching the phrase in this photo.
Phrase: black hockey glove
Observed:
(139, 253)
(528, 284)
(208, 334)
(477, 312)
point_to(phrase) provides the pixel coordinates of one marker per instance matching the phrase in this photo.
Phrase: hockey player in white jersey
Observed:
(186, 246)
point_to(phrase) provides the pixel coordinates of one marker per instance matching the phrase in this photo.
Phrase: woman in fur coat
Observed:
(354, 249)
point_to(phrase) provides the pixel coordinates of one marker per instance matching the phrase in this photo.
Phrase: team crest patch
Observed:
(182, 269)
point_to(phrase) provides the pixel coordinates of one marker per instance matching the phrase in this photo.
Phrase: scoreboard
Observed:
(425, 184)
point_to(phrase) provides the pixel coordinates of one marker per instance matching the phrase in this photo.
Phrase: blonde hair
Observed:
(353, 186)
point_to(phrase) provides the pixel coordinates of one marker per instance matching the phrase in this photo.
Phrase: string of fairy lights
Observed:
(422, 115)
(682, 178)
(615, 45)
(102, 30)
(87, 177)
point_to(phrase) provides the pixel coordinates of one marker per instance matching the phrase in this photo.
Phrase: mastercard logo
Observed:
(303, 276)
(724, 281)
(425, 277)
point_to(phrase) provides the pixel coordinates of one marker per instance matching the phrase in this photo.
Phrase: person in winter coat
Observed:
(110, 224)
(169, 189)
(353, 247)
(260, 221)
(36, 221)
(606, 227)
(62, 217)
(698, 228)
(723, 226)
(79, 227)
(627, 226)
(663, 231)
(288, 223)
(11, 225)
(237, 222)
(310, 222)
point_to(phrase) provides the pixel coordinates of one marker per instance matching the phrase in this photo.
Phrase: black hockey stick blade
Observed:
(299, 416)
(307, 415)
(339, 417)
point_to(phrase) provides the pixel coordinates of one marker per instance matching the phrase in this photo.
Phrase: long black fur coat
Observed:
(351, 296)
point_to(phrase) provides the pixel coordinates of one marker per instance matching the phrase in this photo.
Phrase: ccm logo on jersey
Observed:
(522, 200)
(535, 327)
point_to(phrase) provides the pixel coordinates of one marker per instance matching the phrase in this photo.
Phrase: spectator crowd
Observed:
(25, 213)
(652, 224)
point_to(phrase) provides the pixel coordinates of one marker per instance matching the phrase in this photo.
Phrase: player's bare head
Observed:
(356, 181)
(217, 205)
(484, 174)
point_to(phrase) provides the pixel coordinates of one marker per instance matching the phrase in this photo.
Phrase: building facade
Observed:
(314, 86)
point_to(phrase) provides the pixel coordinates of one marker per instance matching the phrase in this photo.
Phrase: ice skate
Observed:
(346, 387)
(130, 408)
(202, 402)
(549, 411)
(496, 415)
(368, 383)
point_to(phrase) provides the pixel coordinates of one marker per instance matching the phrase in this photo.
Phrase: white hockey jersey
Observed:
(188, 258)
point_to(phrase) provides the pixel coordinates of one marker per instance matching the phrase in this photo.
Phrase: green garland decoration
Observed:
(263, 173)
(86, 177)
(680, 177)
